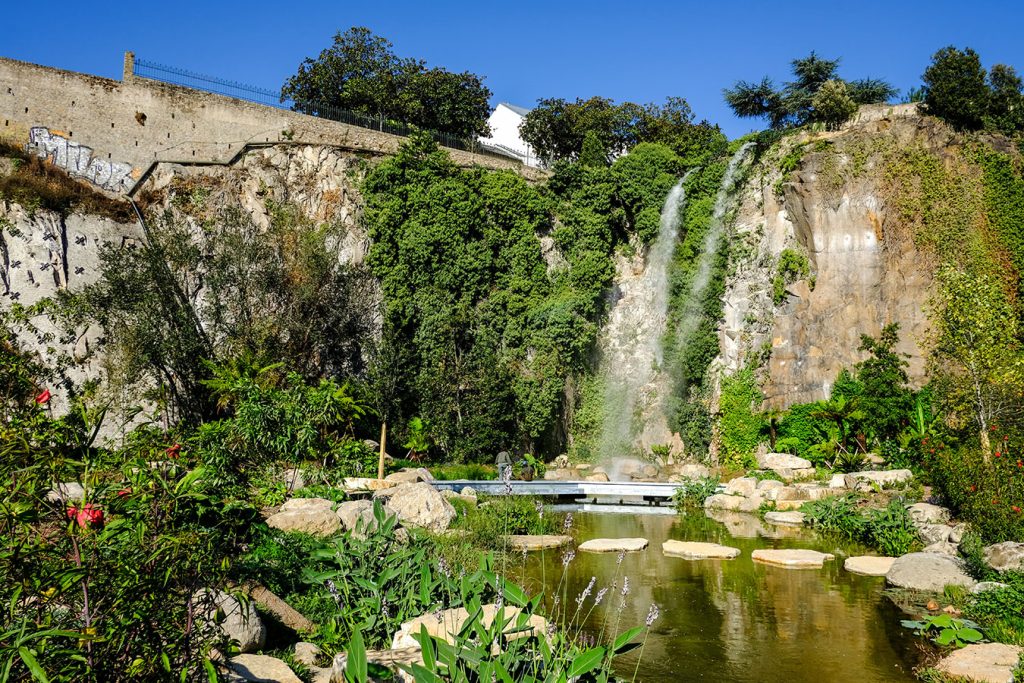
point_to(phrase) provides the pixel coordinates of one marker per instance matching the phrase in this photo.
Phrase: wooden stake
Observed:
(383, 439)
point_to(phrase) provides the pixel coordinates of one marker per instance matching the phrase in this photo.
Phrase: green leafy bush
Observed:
(740, 427)
(889, 529)
(495, 518)
(793, 266)
(692, 493)
(988, 495)
(947, 630)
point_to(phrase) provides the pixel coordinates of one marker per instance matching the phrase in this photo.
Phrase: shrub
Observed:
(692, 493)
(497, 517)
(792, 266)
(888, 529)
(740, 428)
(891, 530)
(987, 495)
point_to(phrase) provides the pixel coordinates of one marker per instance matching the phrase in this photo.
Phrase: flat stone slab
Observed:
(694, 550)
(868, 480)
(529, 543)
(927, 572)
(259, 669)
(722, 501)
(1004, 556)
(614, 545)
(982, 662)
(792, 558)
(869, 565)
(791, 518)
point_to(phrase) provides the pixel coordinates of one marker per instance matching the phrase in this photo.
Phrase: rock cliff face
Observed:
(43, 253)
(864, 273)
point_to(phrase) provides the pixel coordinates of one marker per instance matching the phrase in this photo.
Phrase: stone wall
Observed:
(112, 133)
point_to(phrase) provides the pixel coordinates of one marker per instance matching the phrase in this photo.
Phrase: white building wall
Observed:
(504, 123)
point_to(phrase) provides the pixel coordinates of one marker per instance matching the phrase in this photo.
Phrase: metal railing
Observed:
(269, 98)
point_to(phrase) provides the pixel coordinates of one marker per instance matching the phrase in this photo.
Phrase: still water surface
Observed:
(735, 620)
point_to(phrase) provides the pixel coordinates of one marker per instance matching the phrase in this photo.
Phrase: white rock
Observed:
(838, 481)
(613, 545)
(351, 511)
(783, 461)
(693, 471)
(792, 518)
(421, 505)
(312, 516)
(741, 486)
(957, 534)
(982, 662)
(926, 513)
(768, 484)
(1005, 556)
(869, 565)
(468, 492)
(721, 501)
(529, 543)
(983, 586)
(942, 548)
(453, 619)
(692, 550)
(868, 480)
(933, 533)
(68, 491)
(791, 558)
(226, 613)
(260, 669)
(307, 653)
(293, 479)
(927, 572)
(410, 476)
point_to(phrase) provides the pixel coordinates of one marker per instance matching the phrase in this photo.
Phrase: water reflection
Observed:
(735, 620)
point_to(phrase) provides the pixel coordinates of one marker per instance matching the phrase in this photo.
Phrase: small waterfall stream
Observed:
(636, 382)
(631, 346)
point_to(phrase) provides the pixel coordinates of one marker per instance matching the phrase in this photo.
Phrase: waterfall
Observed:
(636, 383)
(631, 349)
(692, 310)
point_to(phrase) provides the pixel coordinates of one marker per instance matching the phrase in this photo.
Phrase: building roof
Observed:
(522, 111)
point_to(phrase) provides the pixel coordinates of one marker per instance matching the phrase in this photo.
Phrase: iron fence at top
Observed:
(270, 98)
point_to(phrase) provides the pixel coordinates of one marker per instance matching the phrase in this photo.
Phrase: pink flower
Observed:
(43, 397)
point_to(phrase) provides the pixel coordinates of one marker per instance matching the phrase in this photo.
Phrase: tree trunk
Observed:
(986, 444)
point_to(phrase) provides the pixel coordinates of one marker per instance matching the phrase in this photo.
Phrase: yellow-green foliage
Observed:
(740, 427)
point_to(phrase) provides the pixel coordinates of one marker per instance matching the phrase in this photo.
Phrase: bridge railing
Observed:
(270, 98)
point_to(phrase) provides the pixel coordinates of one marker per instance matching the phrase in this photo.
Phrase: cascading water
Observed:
(636, 383)
(692, 308)
(631, 350)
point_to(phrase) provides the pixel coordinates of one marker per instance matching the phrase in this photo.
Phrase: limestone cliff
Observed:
(831, 206)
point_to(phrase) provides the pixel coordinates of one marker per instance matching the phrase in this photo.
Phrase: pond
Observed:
(735, 620)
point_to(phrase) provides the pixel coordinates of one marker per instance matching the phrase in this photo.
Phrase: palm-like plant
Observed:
(844, 412)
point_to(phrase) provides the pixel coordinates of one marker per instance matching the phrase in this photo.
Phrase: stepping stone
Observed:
(528, 543)
(869, 565)
(613, 545)
(792, 518)
(693, 550)
(930, 572)
(792, 559)
(982, 662)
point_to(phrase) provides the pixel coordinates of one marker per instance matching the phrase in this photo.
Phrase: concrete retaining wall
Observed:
(112, 132)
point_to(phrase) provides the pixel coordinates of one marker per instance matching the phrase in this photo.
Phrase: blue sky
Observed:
(526, 50)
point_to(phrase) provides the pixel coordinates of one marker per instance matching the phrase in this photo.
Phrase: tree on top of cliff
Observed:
(794, 104)
(557, 129)
(958, 91)
(361, 73)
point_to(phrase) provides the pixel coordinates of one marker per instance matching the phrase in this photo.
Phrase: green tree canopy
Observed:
(955, 88)
(359, 72)
(794, 103)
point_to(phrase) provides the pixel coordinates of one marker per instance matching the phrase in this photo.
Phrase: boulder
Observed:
(787, 518)
(869, 565)
(226, 613)
(722, 501)
(351, 511)
(521, 542)
(468, 492)
(410, 476)
(307, 653)
(452, 620)
(768, 484)
(926, 513)
(942, 548)
(742, 486)
(613, 545)
(391, 659)
(596, 476)
(561, 462)
(868, 481)
(559, 474)
(260, 669)
(983, 586)
(933, 533)
(693, 550)
(927, 572)
(351, 484)
(982, 662)
(312, 516)
(421, 505)
(67, 491)
(957, 534)
(791, 558)
(838, 481)
(787, 466)
(692, 470)
(650, 471)
(1005, 556)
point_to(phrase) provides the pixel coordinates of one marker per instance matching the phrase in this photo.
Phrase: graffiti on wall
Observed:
(78, 160)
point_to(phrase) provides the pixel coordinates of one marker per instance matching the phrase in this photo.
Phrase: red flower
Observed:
(992, 428)
(43, 397)
(973, 487)
(174, 450)
(1016, 508)
(88, 515)
(1020, 464)
(998, 454)
(124, 492)
(924, 440)
(995, 501)
(931, 450)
